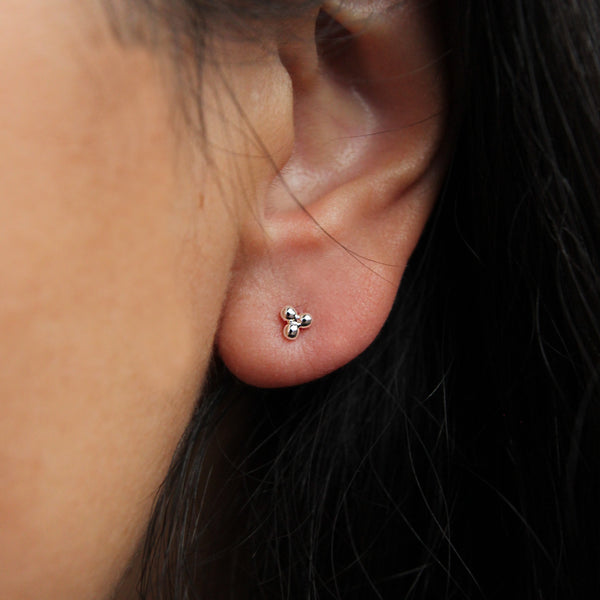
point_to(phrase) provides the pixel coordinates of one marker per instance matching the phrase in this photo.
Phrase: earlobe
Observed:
(339, 223)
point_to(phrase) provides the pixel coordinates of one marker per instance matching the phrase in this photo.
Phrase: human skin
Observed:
(116, 246)
(132, 244)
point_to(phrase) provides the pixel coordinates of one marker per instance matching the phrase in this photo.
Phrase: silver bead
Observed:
(291, 331)
(305, 321)
(289, 313)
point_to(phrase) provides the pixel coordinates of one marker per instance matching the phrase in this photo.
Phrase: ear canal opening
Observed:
(336, 48)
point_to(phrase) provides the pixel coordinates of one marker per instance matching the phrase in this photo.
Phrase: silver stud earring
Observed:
(294, 322)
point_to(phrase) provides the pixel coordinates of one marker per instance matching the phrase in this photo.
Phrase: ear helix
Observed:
(294, 322)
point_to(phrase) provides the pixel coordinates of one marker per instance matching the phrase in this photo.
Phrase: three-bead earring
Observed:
(294, 322)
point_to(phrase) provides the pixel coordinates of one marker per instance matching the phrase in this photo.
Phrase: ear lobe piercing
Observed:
(295, 322)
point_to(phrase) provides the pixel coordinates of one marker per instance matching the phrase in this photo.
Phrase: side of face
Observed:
(130, 248)
(116, 245)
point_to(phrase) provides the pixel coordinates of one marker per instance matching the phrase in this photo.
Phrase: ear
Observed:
(335, 229)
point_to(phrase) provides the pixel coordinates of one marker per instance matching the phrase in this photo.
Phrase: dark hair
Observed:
(457, 457)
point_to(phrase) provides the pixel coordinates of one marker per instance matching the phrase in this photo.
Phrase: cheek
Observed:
(104, 336)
